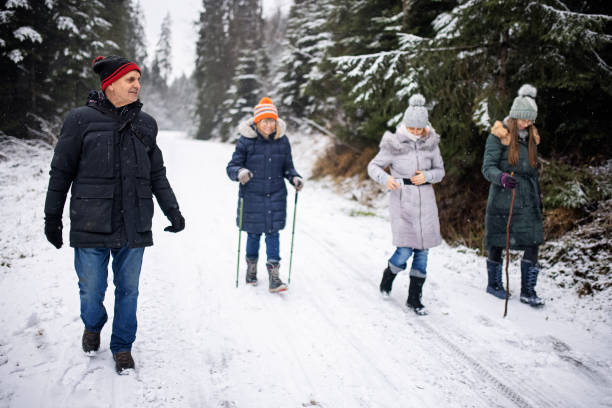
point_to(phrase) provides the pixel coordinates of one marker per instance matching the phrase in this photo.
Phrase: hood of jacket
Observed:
(400, 141)
(500, 130)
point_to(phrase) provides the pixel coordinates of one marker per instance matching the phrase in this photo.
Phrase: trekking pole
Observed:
(508, 248)
(292, 235)
(239, 236)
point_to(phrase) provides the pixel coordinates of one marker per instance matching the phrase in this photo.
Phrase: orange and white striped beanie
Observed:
(265, 109)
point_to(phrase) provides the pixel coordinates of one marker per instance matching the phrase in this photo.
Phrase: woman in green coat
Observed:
(509, 163)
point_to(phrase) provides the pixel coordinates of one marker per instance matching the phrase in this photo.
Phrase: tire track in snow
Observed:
(484, 373)
(367, 292)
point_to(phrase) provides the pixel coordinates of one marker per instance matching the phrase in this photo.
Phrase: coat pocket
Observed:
(143, 158)
(91, 208)
(145, 208)
(97, 154)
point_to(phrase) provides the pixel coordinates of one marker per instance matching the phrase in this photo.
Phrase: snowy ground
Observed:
(330, 341)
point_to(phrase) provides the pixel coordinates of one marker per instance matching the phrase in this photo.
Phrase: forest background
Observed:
(346, 69)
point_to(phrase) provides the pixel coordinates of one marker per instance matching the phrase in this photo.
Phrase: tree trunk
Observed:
(407, 7)
(502, 77)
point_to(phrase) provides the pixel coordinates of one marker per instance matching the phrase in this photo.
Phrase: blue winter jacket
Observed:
(270, 161)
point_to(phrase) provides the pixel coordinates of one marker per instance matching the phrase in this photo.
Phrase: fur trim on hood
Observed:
(398, 143)
(500, 130)
(246, 129)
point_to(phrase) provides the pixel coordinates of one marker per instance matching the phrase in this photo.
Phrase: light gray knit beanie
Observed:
(524, 106)
(416, 114)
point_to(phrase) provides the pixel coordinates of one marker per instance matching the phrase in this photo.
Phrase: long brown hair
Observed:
(513, 147)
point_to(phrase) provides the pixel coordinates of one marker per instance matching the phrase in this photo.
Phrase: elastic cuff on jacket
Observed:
(172, 212)
(53, 217)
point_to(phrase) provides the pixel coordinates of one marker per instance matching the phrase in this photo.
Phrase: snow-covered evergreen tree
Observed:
(307, 40)
(46, 49)
(484, 50)
(161, 66)
(213, 73)
(249, 66)
(136, 45)
(364, 67)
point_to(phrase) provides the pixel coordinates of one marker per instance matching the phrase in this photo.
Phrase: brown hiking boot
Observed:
(90, 341)
(123, 361)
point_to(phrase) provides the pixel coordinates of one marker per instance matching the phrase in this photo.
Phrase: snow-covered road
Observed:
(330, 341)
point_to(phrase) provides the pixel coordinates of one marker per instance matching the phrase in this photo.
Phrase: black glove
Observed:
(177, 220)
(53, 229)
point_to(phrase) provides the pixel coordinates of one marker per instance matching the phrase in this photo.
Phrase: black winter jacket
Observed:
(110, 158)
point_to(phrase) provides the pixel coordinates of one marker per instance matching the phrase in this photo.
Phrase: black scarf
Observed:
(124, 114)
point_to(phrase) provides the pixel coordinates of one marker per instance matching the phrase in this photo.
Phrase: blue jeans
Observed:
(398, 260)
(272, 246)
(91, 266)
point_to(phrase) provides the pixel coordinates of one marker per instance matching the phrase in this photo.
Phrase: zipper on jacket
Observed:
(416, 149)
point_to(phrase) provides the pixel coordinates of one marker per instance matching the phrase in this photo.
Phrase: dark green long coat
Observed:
(526, 226)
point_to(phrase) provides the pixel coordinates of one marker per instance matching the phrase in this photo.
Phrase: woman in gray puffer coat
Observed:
(415, 163)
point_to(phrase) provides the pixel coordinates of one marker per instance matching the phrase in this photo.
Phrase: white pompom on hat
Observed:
(416, 115)
(524, 105)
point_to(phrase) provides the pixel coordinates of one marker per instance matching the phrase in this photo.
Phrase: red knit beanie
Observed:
(112, 68)
(265, 109)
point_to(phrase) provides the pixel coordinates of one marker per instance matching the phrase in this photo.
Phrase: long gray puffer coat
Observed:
(414, 213)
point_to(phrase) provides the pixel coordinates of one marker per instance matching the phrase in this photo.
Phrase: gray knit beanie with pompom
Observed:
(416, 113)
(524, 105)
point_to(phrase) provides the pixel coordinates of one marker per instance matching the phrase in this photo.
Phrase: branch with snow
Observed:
(27, 33)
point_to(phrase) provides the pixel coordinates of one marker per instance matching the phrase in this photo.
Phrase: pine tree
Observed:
(41, 44)
(485, 49)
(212, 72)
(364, 39)
(249, 62)
(136, 46)
(307, 39)
(161, 67)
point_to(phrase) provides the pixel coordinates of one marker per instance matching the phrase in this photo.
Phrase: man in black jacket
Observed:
(107, 152)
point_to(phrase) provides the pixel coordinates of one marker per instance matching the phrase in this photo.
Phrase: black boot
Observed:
(415, 291)
(251, 275)
(123, 361)
(90, 341)
(529, 278)
(495, 285)
(275, 284)
(387, 281)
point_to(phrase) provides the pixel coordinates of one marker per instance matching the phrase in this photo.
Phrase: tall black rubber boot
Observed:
(387, 281)
(415, 290)
(529, 279)
(495, 285)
